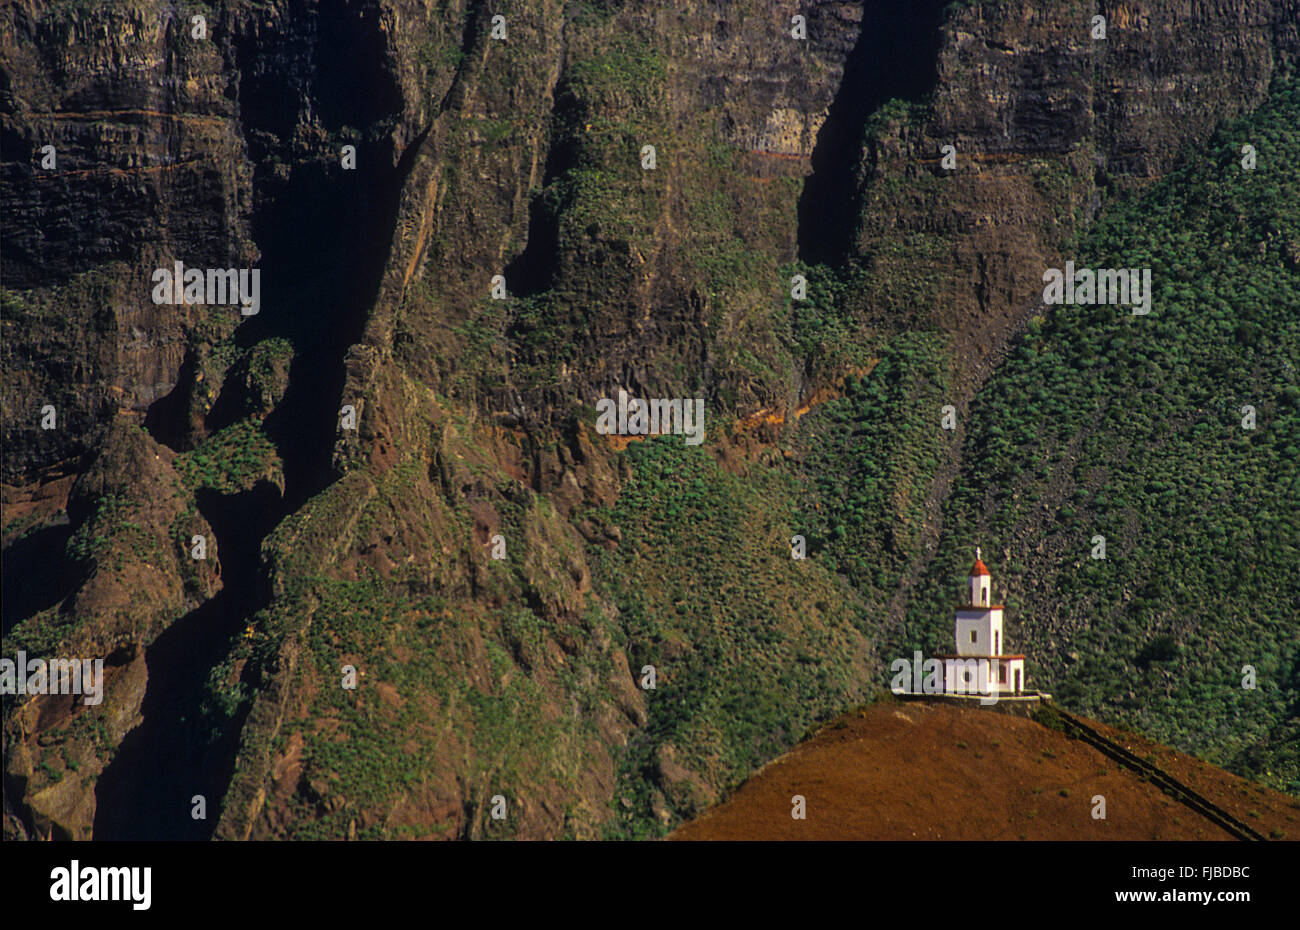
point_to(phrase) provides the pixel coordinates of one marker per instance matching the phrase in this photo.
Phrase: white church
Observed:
(979, 665)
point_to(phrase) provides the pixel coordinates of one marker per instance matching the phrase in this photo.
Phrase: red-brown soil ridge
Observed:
(895, 771)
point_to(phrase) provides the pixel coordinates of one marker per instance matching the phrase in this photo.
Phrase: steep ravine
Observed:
(895, 57)
(145, 792)
(324, 234)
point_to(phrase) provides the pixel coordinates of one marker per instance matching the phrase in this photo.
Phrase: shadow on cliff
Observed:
(37, 574)
(183, 747)
(534, 269)
(324, 231)
(896, 56)
(325, 235)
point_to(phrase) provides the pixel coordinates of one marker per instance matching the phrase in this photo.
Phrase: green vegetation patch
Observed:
(872, 458)
(750, 645)
(232, 460)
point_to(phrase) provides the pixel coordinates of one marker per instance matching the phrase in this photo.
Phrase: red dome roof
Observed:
(979, 568)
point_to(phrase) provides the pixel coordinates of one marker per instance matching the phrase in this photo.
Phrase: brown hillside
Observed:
(896, 771)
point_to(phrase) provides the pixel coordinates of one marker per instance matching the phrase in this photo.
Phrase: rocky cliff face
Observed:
(525, 157)
(1045, 121)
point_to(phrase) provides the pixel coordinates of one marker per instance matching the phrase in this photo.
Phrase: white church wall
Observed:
(1014, 666)
(982, 675)
(983, 624)
(967, 676)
